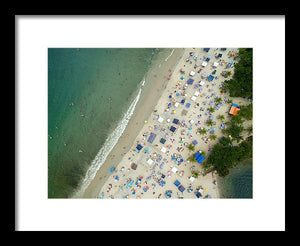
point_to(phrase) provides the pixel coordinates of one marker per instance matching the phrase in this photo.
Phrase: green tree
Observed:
(249, 130)
(195, 173)
(191, 147)
(209, 122)
(223, 157)
(213, 136)
(218, 100)
(240, 85)
(192, 158)
(202, 131)
(246, 111)
(211, 109)
(237, 120)
(221, 117)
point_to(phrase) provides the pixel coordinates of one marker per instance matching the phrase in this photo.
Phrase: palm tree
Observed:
(192, 159)
(218, 100)
(202, 131)
(221, 117)
(213, 136)
(237, 119)
(191, 147)
(195, 174)
(229, 101)
(211, 110)
(203, 153)
(209, 122)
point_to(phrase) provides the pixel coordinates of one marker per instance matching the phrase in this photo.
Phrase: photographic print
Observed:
(150, 123)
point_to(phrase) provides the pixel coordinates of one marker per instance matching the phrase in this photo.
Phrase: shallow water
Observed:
(239, 183)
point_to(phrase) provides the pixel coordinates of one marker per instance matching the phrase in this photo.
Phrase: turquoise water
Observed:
(239, 183)
(89, 90)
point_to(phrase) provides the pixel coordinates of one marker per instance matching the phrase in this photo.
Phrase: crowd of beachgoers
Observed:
(158, 165)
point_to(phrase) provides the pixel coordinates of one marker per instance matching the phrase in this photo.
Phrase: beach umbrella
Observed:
(112, 169)
(170, 96)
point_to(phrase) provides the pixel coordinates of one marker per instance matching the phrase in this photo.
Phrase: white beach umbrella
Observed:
(163, 149)
(150, 161)
(204, 64)
(174, 169)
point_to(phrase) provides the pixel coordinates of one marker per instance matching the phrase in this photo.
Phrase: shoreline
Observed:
(153, 88)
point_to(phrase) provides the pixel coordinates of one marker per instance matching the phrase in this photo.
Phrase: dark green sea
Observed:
(89, 91)
(239, 183)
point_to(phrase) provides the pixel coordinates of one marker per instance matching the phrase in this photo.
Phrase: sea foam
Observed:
(170, 55)
(108, 145)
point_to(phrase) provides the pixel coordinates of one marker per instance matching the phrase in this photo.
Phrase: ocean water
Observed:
(239, 183)
(92, 93)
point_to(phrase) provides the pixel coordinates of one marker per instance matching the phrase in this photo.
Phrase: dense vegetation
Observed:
(241, 83)
(225, 156)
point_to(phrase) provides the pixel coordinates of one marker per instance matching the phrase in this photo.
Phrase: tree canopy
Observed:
(241, 83)
(224, 156)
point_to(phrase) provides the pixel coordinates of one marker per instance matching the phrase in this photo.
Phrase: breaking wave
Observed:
(170, 55)
(108, 145)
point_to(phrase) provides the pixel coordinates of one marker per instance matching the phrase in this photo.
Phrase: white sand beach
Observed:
(151, 171)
